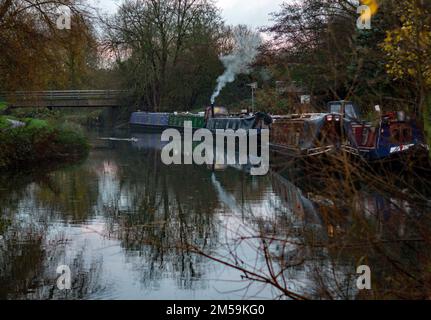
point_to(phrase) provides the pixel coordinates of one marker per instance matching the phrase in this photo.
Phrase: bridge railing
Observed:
(62, 95)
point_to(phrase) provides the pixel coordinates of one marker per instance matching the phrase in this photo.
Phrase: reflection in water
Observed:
(130, 227)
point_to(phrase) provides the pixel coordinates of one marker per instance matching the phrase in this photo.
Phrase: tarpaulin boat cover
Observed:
(312, 128)
(308, 128)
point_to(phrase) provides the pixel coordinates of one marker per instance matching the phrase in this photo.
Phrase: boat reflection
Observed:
(132, 227)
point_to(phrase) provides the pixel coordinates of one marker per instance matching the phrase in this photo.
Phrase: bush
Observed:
(3, 106)
(39, 142)
(36, 123)
(4, 124)
(36, 113)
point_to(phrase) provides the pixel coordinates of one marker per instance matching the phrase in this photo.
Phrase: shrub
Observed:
(3, 106)
(36, 113)
(40, 142)
(4, 124)
(36, 123)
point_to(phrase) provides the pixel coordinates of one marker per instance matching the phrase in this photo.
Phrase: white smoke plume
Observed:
(247, 43)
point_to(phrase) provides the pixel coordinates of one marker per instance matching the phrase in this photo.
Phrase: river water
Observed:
(129, 227)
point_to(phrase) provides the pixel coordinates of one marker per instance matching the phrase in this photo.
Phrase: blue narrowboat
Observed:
(149, 121)
(388, 137)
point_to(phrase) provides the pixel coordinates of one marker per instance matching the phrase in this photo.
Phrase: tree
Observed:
(317, 45)
(167, 50)
(34, 53)
(408, 50)
(312, 39)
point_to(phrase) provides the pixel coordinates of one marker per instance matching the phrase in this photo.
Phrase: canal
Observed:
(129, 227)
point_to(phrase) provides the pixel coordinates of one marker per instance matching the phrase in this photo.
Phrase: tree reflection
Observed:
(301, 230)
(29, 260)
(156, 211)
(314, 239)
(68, 193)
(308, 241)
(30, 250)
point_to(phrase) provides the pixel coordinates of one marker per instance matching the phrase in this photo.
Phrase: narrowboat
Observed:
(306, 135)
(149, 121)
(390, 136)
(341, 129)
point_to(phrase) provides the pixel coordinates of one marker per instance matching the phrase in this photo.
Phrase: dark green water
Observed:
(124, 223)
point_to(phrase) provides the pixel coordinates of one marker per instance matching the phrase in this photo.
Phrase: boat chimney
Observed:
(212, 110)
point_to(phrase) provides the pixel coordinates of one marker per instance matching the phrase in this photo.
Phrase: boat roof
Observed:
(304, 116)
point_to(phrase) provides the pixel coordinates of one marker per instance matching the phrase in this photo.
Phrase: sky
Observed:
(254, 13)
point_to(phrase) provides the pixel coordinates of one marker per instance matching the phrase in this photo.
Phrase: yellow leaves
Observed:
(388, 38)
(427, 75)
(408, 48)
(388, 45)
(398, 37)
(411, 72)
(425, 39)
(372, 4)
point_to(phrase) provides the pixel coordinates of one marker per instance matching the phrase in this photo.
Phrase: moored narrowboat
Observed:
(149, 121)
(306, 135)
(390, 136)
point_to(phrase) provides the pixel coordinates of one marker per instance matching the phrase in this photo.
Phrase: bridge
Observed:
(63, 99)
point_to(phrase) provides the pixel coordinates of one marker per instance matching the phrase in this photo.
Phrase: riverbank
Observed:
(39, 142)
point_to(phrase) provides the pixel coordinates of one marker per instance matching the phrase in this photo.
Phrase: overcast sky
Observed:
(250, 12)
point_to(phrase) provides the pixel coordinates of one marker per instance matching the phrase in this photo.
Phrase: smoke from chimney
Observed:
(247, 43)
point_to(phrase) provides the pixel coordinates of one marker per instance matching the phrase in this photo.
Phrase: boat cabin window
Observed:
(401, 134)
(349, 110)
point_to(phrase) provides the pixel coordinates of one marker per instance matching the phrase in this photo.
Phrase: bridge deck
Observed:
(63, 99)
